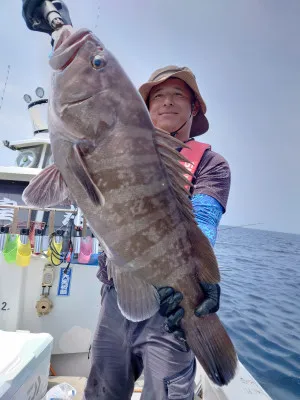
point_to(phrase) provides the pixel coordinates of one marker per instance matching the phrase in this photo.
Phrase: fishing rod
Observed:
(240, 226)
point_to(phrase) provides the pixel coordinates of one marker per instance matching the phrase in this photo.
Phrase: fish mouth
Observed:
(74, 38)
(69, 43)
(69, 61)
(80, 38)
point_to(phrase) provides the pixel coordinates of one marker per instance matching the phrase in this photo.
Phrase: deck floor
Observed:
(79, 383)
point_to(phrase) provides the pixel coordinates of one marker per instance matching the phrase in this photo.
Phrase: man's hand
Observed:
(33, 16)
(169, 306)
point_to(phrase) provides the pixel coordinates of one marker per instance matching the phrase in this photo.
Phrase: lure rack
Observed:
(67, 244)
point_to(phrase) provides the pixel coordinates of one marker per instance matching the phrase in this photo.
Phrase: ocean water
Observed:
(260, 307)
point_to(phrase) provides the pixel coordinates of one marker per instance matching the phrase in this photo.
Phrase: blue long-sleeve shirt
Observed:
(208, 213)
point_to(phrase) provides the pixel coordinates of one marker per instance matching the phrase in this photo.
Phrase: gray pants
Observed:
(122, 349)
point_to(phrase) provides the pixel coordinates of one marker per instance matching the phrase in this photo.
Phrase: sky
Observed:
(246, 57)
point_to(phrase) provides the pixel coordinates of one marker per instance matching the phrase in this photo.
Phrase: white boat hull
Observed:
(73, 318)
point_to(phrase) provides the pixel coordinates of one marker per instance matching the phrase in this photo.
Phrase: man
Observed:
(123, 349)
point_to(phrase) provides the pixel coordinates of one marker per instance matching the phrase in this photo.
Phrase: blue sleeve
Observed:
(208, 213)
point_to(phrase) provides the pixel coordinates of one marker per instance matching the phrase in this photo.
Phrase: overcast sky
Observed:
(246, 56)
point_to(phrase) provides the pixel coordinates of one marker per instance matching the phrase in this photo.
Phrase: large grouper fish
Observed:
(130, 182)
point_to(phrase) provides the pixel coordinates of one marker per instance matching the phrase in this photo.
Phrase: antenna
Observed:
(4, 89)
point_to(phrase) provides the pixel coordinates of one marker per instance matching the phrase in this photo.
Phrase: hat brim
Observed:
(200, 123)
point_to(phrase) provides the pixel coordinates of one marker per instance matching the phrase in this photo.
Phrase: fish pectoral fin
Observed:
(77, 165)
(207, 270)
(137, 299)
(46, 189)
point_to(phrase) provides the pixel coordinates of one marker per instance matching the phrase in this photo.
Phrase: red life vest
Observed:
(194, 154)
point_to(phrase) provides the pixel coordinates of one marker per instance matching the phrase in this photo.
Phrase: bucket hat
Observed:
(200, 123)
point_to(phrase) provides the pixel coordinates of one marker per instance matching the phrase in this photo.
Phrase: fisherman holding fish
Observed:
(123, 349)
(176, 106)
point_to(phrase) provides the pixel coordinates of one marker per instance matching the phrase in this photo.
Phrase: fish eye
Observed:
(98, 62)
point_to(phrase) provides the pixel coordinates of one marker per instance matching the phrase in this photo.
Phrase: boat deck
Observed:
(79, 384)
(242, 387)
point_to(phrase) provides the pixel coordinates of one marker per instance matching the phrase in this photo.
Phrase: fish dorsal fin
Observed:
(164, 137)
(207, 270)
(167, 154)
(171, 158)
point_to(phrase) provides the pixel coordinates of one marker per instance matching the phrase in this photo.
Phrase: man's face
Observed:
(170, 105)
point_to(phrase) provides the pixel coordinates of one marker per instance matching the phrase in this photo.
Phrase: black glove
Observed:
(169, 306)
(34, 19)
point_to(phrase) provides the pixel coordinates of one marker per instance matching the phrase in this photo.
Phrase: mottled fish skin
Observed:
(138, 220)
(124, 165)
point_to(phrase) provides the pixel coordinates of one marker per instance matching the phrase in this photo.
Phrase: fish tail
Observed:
(212, 347)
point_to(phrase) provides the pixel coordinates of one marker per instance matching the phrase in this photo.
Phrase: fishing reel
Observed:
(45, 15)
